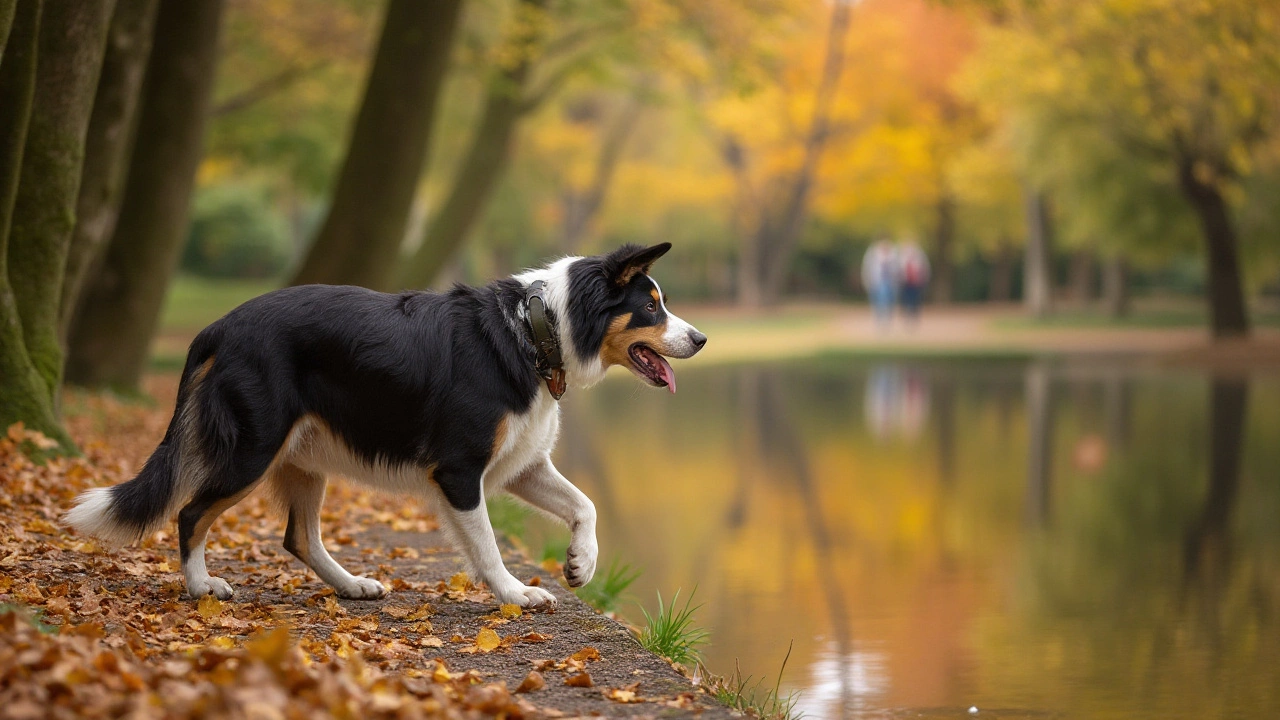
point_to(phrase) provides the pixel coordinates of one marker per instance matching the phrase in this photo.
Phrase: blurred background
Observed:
(988, 413)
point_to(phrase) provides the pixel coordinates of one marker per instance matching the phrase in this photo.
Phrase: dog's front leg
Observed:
(542, 486)
(474, 537)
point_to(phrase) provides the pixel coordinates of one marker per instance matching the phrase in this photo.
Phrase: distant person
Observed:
(913, 273)
(880, 278)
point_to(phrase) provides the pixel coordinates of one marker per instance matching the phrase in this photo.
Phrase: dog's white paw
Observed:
(526, 596)
(580, 563)
(361, 588)
(210, 585)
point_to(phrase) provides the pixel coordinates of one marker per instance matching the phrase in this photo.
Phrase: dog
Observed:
(452, 396)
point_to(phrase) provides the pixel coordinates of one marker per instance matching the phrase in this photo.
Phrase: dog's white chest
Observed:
(527, 438)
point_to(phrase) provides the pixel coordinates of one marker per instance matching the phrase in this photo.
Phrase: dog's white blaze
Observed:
(676, 338)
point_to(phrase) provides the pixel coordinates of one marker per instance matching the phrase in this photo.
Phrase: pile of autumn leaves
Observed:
(56, 659)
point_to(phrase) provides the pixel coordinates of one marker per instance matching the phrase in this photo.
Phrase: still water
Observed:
(1036, 539)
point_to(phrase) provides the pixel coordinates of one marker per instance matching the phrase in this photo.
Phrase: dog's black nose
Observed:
(698, 338)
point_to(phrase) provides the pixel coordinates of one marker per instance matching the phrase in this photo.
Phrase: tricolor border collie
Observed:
(452, 396)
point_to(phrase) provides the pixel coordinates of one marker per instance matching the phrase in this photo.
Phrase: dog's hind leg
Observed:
(543, 487)
(194, 522)
(303, 494)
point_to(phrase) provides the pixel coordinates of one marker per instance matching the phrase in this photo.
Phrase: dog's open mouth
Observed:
(652, 366)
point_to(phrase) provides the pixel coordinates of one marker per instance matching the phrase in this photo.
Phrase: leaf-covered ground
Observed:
(87, 633)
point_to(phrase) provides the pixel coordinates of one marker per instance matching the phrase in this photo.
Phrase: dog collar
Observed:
(546, 347)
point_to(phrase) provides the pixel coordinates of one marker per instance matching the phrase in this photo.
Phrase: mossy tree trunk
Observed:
(120, 305)
(107, 144)
(71, 39)
(360, 239)
(1037, 268)
(24, 397)
(7, 8)
(47, 80)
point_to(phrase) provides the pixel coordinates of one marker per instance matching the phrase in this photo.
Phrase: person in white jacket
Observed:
(880, 279)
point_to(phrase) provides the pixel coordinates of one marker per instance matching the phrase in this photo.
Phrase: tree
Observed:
(1192, 124)
(120, 307)
(107, 144)
(506, 101)
(47, 80)
(360, 239)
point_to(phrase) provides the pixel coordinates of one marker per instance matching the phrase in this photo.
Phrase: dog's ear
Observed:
(623, 264)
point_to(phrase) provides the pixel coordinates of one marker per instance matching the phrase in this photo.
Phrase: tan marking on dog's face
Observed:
(618, 339)
(499, 437)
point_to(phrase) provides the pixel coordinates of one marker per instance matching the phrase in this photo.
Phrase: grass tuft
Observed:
(741, 694)
(671, 632)
(605, 592)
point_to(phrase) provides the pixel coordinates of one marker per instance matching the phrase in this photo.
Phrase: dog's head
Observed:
(618, 316)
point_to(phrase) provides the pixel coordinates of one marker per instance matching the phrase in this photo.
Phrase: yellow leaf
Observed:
(510, 611)
(271, 647)
(223, 642)
(209, 606)
(488, 640)
(441, 673)
(458, 583)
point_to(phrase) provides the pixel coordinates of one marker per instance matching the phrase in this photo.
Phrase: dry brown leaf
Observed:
(581, 679)
(532, 682)
(535, 637)
(585, 654)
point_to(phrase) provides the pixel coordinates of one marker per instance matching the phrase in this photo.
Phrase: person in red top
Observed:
(913, 273)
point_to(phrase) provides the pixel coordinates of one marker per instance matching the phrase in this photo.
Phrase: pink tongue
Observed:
(667, 373)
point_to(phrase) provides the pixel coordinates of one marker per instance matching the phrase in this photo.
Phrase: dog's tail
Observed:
(131, 511)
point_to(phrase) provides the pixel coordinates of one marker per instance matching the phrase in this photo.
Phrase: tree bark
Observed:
(944, 266)
(1000, 288)
(107, 144)
(581, 209)
(1037, 273)
(1228, 315)
(361, 236)
(24, 394)
(69, 52)
(481, 168)
(1115, 286)
(120, 308)
(7, 8)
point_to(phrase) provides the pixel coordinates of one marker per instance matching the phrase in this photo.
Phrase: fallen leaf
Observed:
(459, 582)
(209, 606)
(487, 640)
(510, 611)
(619, 695)
(582, 679)
(536, 637)
(532, 682)
(585, 654)
(431, 641)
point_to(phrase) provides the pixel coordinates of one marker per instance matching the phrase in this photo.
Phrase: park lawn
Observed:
(194, 302)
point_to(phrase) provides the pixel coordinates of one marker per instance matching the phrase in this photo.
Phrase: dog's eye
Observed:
(651, 307)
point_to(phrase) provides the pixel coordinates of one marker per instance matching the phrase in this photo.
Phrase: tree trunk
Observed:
(1081, 281)
(24, 394)
(69, 52)
(7, 8)
(1037, 272)
(1115, 286)
(944, 266)
(1227, 312)
(361, 236)
(580, 210)
(1000, 288)
(119, 309)
(779, 244)
(107, 145)
(481, 167)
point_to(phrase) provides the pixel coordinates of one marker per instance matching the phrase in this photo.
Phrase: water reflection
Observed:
(1036, 538)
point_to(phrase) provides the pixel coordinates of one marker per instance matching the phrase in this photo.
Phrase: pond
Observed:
(1033, 538)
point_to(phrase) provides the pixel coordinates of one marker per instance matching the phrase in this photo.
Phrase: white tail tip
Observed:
(92, 515)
